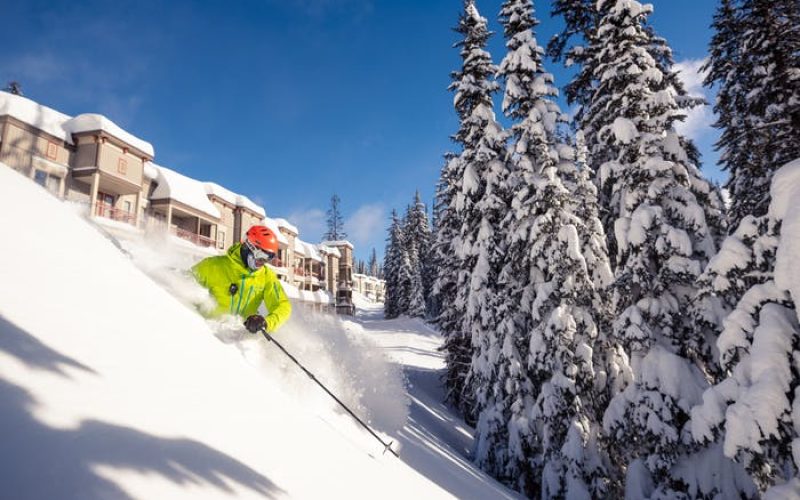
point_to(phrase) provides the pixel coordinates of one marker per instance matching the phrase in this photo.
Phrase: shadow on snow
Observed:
(39, 461)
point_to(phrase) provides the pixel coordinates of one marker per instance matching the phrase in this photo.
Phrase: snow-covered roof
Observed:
(287, 225)
(35, 115)
(338, 243)
(329, 250)
(311, 251)
(150, 171)
(245, 202)
(214, 189)
(237, 200)
(272, 225)
(178, 187)
(92, 122)
(299, 247)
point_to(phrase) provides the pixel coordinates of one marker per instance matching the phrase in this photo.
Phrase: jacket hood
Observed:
(235, 254)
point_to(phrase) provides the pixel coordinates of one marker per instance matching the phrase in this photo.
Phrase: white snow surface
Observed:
(113, 386)
(91, 122)
(178, 187)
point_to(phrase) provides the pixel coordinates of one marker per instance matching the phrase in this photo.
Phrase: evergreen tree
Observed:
(582, 45)
(392, 263)
(485, 196)
(463, 185)
(662, 239)
(753, 411)
(372, 267)
(755, 60)
(335, 221)
(575, 46)
(416, 299)
(419, 234)
(538, 429)
(612, 367)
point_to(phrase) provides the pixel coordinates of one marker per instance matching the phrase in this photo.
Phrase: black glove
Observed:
(255, 323)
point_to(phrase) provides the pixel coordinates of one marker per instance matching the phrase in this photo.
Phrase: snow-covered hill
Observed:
(112, 386)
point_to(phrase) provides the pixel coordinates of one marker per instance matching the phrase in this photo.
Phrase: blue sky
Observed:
(286, 101)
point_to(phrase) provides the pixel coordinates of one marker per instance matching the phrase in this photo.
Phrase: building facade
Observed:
(90, 160)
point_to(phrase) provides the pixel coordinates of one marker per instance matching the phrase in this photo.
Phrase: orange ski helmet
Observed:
(263, 238)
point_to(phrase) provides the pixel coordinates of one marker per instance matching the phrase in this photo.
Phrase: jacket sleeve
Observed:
(198, 271)
(202, 273)
(278, 306)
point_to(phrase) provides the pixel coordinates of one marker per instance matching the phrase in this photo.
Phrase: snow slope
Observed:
(113, 387)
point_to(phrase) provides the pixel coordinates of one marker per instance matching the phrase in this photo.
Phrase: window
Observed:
(52, 151)
(128, 207)
(122, 166)
(221, 239)
(40, 177)
(47, 181)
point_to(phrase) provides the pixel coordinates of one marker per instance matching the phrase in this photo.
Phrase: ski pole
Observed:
(386, 447)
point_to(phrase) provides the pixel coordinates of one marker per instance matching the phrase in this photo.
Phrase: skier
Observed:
(240, 280)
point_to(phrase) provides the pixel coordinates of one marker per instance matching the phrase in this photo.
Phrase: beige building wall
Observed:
(35, 153)
(225, 229)
(86, 152)
(246, 220)
(290, 256)
(20, 143)
(119, 162)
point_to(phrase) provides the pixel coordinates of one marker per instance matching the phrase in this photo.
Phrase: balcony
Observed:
(197, 239)
(110, 212)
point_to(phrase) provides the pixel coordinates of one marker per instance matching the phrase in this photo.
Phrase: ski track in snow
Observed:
(433, 435)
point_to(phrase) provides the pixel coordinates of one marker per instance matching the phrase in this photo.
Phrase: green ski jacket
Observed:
(219, 273)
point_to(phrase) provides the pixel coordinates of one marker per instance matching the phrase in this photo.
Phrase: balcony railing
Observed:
(299, 271)
(197, 239)
(110, 212)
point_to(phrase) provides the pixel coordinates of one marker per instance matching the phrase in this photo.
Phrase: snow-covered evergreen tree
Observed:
(755, 411)
(416, 245)
(581, 44)
(612, 366)
(448, 313)
(574, 45)
(661, 234)
(755, 60)
(418, 233)
(393, 259)
(538, 428)
(474, 202)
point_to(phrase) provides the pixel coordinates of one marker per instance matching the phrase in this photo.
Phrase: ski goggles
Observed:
(261, 256)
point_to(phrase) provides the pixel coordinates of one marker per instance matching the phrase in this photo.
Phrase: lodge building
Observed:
(90, 160)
